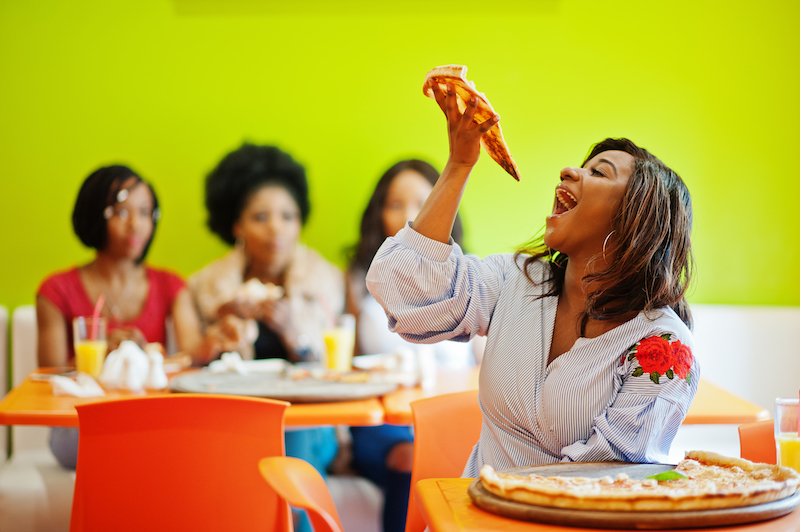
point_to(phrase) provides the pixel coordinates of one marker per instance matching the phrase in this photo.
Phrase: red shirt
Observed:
(66, 291)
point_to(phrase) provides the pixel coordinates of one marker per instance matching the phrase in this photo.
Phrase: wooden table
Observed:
(446, 507)
(712, 405)
(33, 403)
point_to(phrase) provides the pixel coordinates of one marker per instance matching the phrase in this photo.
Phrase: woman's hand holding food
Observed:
(435, 219)
(463, 133)
(228, 334)
(242, 307)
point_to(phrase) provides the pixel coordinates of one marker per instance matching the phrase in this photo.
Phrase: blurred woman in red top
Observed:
(116, 213)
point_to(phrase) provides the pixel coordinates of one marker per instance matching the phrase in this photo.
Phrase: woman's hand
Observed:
(463, 133)
(227, 335)
(435, 219)
(117, 336)
(243, 308)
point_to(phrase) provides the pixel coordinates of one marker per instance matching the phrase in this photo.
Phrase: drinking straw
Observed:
(96, 316)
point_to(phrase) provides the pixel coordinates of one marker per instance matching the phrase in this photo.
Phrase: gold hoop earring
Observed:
(604, 244)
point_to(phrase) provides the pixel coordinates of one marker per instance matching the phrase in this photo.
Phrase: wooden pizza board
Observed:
(635, 520)
(273, 385)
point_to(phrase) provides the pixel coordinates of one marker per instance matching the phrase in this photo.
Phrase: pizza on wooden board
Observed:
(492, 141)
(711, 481)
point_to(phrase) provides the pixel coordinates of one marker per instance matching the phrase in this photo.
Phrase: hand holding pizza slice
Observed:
(492, 141)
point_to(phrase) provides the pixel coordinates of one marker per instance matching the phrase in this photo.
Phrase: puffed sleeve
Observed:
(659, 378)
(431, 291)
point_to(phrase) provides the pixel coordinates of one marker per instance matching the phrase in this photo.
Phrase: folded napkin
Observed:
(130, 368)
(83, 386)
(156, 376)
(229, 363)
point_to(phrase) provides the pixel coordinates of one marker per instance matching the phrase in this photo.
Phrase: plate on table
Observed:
(298, 387)
(635, 520)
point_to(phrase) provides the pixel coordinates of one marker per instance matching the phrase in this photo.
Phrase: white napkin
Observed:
(156, 376)
(85, 386)
(130, 368)
(229, 363)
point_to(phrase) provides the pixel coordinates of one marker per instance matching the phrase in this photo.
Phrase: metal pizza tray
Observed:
(273, 385)
(633, 520)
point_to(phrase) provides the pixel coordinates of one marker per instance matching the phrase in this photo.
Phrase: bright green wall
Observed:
(713, 88)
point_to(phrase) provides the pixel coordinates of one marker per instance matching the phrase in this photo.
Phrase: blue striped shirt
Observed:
(585, 406)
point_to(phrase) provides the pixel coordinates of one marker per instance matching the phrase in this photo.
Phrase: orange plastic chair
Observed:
(178, 462)
(757, 442)
(446, 428)
(299, 484)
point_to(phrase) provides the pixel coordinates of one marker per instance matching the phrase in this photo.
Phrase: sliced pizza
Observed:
(705, 480)
(492, 141)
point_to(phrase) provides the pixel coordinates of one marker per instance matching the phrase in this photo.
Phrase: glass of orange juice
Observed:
(340, 342)
(89, 352)
(787, 440)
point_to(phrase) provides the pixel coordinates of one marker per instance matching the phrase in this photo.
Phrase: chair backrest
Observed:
(757, 442)
(301, 485)
(446, 428)
(178, 462)
(24, 342)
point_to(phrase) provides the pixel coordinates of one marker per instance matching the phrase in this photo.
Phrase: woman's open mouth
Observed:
(564, 202)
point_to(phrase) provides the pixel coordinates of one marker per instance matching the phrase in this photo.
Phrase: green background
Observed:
(169, 87)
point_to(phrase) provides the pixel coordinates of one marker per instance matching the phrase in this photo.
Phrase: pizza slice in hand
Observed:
(492, 141)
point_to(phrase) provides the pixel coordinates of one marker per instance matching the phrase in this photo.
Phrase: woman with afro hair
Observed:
(257, 201)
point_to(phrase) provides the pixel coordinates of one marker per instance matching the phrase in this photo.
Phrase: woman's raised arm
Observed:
(435, 219)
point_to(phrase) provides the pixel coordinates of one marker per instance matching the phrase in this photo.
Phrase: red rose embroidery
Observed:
(654, 354)
(657, 357)
(682, 359)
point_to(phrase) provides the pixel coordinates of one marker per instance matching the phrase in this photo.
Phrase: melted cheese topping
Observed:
(714, 476)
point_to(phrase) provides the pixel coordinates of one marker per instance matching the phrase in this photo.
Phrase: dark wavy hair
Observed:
(652, 244)
(245, 171)
(373, 233)
(99, 191)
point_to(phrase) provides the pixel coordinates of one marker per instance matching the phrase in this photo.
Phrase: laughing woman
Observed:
(588, 354)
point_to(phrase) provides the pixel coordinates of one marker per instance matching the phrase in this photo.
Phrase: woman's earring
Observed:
(604, 244)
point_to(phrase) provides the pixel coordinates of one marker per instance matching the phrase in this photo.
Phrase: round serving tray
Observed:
(634, 520)
(273, 385)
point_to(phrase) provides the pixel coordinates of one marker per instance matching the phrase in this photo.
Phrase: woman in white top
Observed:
(588, 354)
(384, 453)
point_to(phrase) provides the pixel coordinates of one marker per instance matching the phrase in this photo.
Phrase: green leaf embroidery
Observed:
(666, 337)
(688, 378)
(654, 377)
(670, 374)
(638, 372)
(668, 475)
(632, 348)
(631, 356)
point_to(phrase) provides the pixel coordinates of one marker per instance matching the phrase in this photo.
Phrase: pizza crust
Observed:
(492, 141)
(715, 481)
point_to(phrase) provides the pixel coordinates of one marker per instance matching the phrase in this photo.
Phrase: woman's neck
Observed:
(113, 268)
(574, 295)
